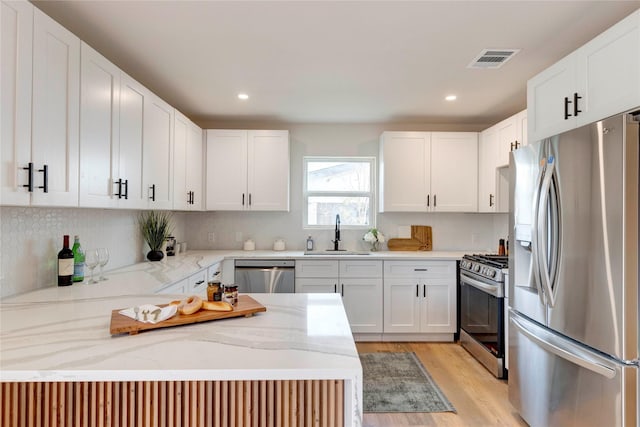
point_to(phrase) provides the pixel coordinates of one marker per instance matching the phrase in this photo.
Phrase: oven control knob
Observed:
(476, 268)
(493, 273)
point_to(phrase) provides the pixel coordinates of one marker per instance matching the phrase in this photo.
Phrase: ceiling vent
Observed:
(492, 58)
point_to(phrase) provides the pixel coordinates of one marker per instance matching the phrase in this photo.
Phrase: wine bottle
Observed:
(78, 260)
(65, 264)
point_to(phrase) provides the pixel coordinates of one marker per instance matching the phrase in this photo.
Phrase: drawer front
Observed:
(360, 268)
(317, 268)
(426, 269)
(214, 270)
(198, 282)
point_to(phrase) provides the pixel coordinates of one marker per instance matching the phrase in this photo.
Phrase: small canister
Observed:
(231, 294)
(214, 291)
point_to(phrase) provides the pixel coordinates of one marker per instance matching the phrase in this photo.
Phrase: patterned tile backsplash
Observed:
(31, 238)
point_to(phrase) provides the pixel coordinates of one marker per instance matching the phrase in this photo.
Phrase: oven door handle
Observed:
(496, 291)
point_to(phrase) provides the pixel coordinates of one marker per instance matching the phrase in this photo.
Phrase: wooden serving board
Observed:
(420, 240)
(121, 324)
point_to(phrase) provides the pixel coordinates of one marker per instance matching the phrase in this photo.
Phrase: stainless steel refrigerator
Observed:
(573, 316)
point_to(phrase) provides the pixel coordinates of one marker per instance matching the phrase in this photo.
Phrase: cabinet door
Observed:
(362, 299)
(158, 152)
(401, 305)
(99, 129)
(507, 138)
(546, 94)
(438, 307)
(608, 72)
(487, 155)
(226, 170)
(181, 197)
(194, 161)
(315, 285)
(522, 129)
(178, 288)
(16, 55)
(56, 112)
(130, 163)
(404, 174)
(268, 170)
(454, 171)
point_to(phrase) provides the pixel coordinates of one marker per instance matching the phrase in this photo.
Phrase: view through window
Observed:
(339, 186)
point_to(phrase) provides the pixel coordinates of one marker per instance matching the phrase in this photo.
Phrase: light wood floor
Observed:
(479, 398)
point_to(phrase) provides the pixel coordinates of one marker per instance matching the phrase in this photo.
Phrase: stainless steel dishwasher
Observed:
(265, 275)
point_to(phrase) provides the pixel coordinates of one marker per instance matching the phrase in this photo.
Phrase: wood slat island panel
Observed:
(265, 403)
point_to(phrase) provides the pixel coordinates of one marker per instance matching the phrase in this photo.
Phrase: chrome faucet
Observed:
(336, 242)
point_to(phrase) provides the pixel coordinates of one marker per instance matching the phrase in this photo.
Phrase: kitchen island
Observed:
(295, 364)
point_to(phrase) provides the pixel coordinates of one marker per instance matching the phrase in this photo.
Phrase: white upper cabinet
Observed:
(157, 149)
(454, 170)
(111, 135)
(405, 179)
(428, 171)
(487, 164)
(40, 143)
(247, 170)
(99, 129)
(187, 179)
(507, 140)
(600, 79)
(16, 55)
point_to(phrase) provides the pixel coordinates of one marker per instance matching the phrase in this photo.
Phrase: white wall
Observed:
(467, 232)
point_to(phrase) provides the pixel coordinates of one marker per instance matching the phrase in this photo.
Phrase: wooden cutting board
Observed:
(121, 324)
(420, 240)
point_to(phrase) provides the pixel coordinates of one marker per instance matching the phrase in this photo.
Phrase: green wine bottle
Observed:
(78, 260)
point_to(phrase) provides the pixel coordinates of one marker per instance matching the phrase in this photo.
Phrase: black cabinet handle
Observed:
(335, 288)
(342, 290)
(126, 189)
(242, 199)
(490, 200)
(29, 184)
(424, 291)
(45, 176)
(517, 144)
(249, 199)
(566, 108)
(511, 149)
(575, 104)
(420, 269)
(188, 197)
(427, 200)
(119, 184)
(435, 203)
(153, 193)
(417, 290)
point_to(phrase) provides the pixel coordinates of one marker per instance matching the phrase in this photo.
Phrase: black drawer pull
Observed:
(45, 173)
(29, 184)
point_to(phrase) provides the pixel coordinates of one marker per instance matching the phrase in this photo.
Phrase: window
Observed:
(339, 186)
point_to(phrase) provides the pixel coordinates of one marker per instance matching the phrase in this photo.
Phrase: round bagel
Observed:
(191, 305)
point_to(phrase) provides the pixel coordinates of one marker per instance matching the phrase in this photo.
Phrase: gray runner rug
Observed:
(397, 382)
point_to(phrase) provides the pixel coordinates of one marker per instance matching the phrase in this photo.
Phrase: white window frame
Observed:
(371, 193)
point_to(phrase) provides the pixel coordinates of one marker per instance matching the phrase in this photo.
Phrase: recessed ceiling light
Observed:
(243, 96)
(451, 97)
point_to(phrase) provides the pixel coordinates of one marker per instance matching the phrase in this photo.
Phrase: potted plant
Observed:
(155, 228)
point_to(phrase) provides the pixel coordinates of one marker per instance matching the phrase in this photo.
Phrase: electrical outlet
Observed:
(238, 236)
(211, 237)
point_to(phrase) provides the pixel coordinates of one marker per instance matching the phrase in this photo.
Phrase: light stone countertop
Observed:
(62, 333)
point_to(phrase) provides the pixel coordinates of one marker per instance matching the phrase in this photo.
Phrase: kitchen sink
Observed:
(338, 252)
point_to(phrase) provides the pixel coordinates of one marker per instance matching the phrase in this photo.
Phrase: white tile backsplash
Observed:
(31, 238)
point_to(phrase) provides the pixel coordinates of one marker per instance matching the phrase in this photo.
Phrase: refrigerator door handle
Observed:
(541, 231)
(563, 347)
(535, 264)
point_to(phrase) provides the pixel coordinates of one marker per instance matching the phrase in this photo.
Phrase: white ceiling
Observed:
(336, 61)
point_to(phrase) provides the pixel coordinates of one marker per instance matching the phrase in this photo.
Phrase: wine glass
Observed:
(91, 261)
(103, 259)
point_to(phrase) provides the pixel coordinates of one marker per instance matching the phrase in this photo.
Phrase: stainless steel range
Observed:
(482, 324)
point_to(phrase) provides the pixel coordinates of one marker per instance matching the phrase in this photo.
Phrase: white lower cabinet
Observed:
(420, 297)
(358, 281)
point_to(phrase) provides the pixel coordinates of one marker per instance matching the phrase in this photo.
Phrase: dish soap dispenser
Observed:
(309, 243)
